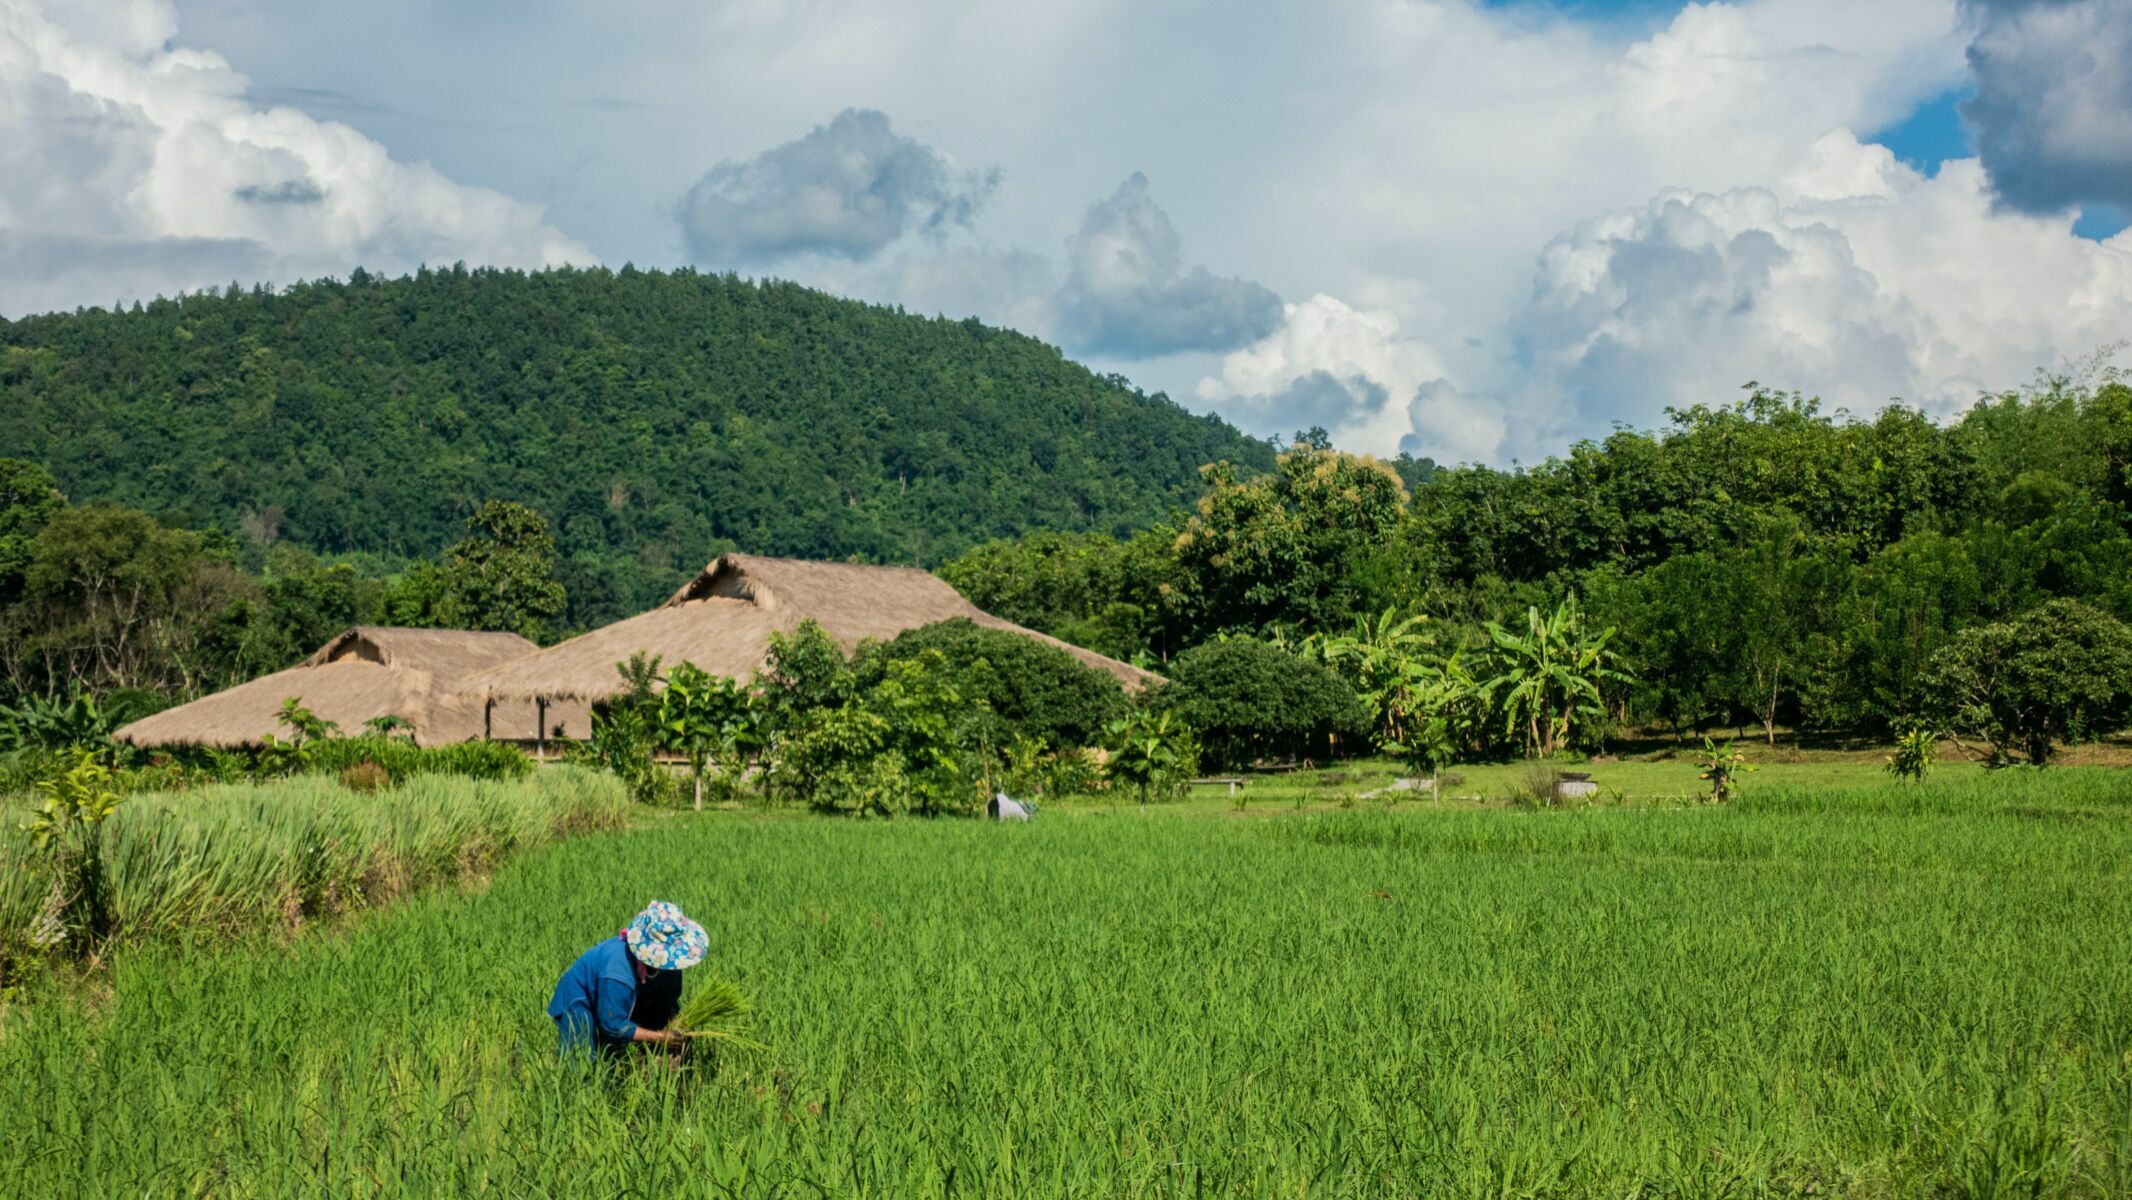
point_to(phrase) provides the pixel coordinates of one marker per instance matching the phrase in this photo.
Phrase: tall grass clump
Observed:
(229, 858)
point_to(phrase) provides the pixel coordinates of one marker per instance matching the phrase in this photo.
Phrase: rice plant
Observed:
(1909, 990)
(713, 1015)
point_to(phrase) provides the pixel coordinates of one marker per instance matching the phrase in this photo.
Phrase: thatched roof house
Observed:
(723, 618)
(367, 672)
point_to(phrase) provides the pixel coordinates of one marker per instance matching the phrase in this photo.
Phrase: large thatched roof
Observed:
(367, 672)
(723, 618)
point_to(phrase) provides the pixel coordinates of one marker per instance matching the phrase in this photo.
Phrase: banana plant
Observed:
(701, 715)
(1150, 750)
(1549, 676)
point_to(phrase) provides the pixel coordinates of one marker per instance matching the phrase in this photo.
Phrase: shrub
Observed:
(1032, 689)
(1914, 754)
(365, 777)
(1248, 699)
(2060, 670)
(1153, 753)
(402, 760)
(1719, 765)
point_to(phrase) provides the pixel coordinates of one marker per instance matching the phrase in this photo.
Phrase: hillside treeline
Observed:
(654, 419)
(1763, 563)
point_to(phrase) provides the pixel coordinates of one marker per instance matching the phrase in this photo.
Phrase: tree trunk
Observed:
(698, 773)
(1769, 716)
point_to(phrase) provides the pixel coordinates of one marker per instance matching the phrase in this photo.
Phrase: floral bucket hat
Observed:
(661, 937)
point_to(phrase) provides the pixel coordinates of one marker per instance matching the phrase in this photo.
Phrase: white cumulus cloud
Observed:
(1860, 279)
(130, 167)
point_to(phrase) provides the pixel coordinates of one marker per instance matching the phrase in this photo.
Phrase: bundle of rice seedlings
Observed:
(713, 1014)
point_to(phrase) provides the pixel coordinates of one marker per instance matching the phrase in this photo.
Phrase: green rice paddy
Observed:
(1869, 992)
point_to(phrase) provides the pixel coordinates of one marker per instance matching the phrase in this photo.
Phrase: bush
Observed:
(1033, 689)
(2059, 671)
(365, 777)
(402, 760)
(1248, 699)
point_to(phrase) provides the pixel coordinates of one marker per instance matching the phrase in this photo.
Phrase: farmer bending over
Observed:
(628, 987)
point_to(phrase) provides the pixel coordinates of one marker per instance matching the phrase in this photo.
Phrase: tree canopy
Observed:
(654, 419)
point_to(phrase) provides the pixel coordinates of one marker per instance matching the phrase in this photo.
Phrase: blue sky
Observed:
(1463, 229)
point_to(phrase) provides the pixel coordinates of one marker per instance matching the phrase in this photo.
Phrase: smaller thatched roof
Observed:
(366, 672)
(723, 618)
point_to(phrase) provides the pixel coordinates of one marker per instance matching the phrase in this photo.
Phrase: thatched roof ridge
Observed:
(448, 652)
(365, 672)
(723, 618)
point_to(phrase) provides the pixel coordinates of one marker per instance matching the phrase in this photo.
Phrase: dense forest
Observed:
(1762, 563)
(208, 487)
(654, 419)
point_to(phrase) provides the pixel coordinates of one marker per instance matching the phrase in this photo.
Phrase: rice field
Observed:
(1874, 992)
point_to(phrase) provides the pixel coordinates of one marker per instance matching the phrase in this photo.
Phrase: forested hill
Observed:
(654, 418)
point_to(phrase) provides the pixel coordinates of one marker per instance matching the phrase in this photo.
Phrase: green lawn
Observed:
(1643, 780)
(1888, 992)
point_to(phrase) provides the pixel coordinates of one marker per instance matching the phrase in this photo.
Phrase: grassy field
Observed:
(1877, 992)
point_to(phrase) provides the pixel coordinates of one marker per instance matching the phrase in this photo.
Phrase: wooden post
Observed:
(488, 719)
(540, 729)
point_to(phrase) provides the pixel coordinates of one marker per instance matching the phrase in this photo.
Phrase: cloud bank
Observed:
(129, 168)
(848, 188)
(2053, 103)
(1129, 293)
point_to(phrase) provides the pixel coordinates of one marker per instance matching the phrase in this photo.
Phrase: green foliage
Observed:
(2062, 670)
(1028, 688)
(80, 721)
(501, 576)
(75, 801)
(1154, 753)
(1121, 598)
(29, 498)
(714, 1014)
(303, 724)
(839, 759)
(1896, 992)
(1248, 699)
(402, 760)
(704, 716)
(805, 671)
(1281, 549)
(389, 725)
(655, 419)
(228, 858)
(1549, 678)
(1720, 765)
(1915, 751)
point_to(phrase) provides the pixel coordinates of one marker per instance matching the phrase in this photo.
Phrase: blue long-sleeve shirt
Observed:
(599, 1000)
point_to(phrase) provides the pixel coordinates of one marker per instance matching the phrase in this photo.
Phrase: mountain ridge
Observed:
(656, 418)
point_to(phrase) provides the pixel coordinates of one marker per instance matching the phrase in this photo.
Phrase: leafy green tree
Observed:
(29, 497)
(1281, 549)
(805, 670)
(1249, 699)
(502, 576)
(656, 418)
(2060, 670)
(1029, 689)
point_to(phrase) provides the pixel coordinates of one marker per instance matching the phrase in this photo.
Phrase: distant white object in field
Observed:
(1402, 784)
(1003, 809)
